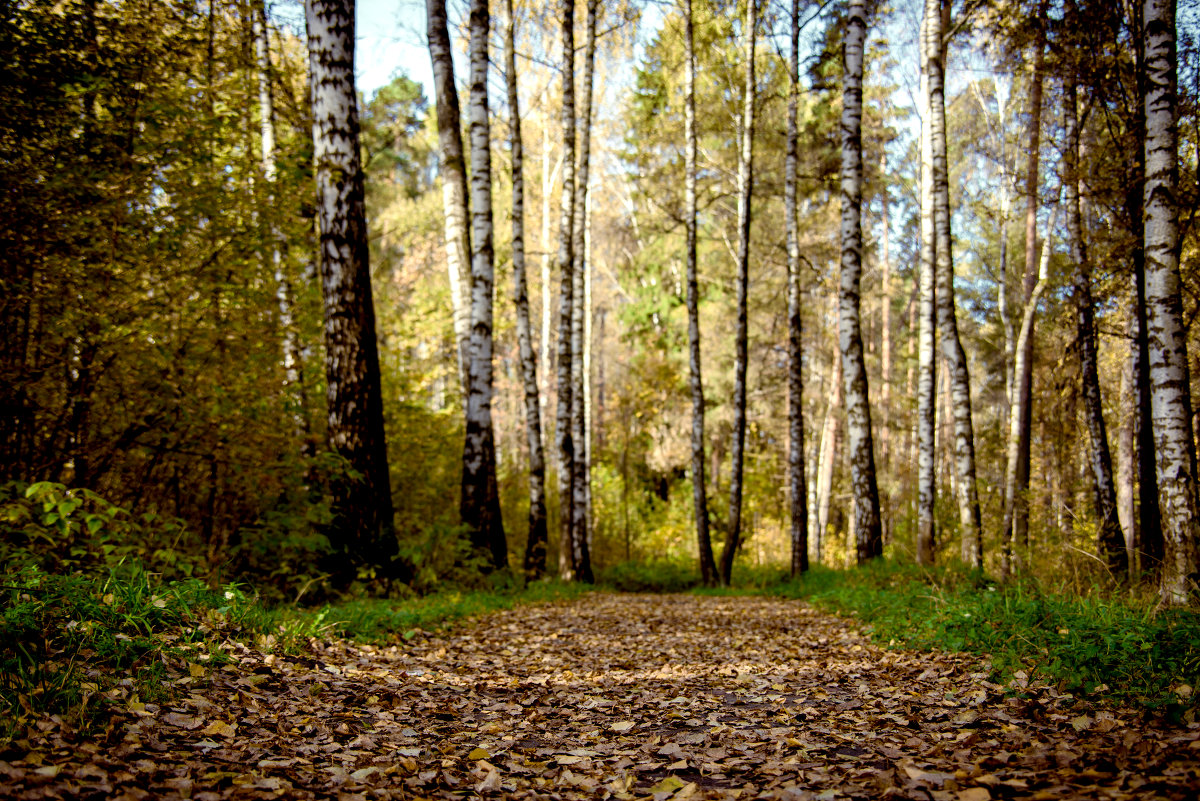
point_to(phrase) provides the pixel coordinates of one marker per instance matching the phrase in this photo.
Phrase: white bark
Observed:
(1169, 380)
(868, 536)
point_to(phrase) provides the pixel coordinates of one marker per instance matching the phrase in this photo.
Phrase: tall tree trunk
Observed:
(1110, 541)
(868, 534)
(708, 567)
(547, 190)
(885, 327)
(363, 524)
(293, 360)
(1016, 524)
(480, 502)
(1148, 542)
(827, 454)
(745, 187)
(1169, 380)
(927, 330)
(579, 435)
(970, 522)
(1013, 495)
(797, 492)
(566, 264)
(535, 544)
(454, 181)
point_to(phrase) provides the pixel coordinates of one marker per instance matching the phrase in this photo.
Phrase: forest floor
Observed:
(612, 696)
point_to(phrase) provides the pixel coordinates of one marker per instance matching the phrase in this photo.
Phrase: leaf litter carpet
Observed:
(614, 696)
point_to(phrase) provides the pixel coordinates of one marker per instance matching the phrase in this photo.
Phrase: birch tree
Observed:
(868, 536)
(970, 522)
(797, 492)
(480, 503)
(927, 327)
(452, 164)
(1110, 541)
(535, 544)
(293, 358)
(1016, 518)
(708, 567)
(363, 508)
(1021, 394)
(745, 186)
(579, 433)
(1169, 380)
(566, 262)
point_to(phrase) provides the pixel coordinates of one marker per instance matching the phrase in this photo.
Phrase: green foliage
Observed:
(1116, 646)
(59, 530)
(656, 576)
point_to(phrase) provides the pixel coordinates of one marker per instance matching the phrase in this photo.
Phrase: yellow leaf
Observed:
(680, 765)
(668, 785)
(479, 753)
(624, 725)
(220, 728)
(974, 794)
(196, 671)
(48, 770)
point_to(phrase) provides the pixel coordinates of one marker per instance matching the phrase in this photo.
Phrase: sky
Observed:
(391, 41)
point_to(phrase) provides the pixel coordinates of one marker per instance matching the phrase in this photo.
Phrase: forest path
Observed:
(625, 696)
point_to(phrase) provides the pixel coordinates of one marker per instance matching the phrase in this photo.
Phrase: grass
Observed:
(1117, 646)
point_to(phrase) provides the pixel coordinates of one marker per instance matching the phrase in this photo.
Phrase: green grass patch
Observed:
(1119, 647)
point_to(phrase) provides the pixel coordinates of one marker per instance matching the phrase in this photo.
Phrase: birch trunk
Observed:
(708, 567)
(959, 382)
(1016, 521)
(480, 502)
(1013, 494)
(363, 508)
(535, 544)
(927, 332)
(1110, 541)
(885, 329)
(579, 435)
(454, 181)
(868, 535)
(563, 435)
(1167, 338)
(745, 187)
(797, 493)
(293, 359)
(827, 455)
(1149, 539)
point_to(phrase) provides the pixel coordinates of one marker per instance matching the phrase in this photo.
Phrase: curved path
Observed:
(619, 696)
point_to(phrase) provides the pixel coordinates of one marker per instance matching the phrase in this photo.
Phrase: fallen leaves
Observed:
(625, 697)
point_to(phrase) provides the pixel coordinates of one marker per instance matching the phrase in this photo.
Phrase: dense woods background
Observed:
(165, 394)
